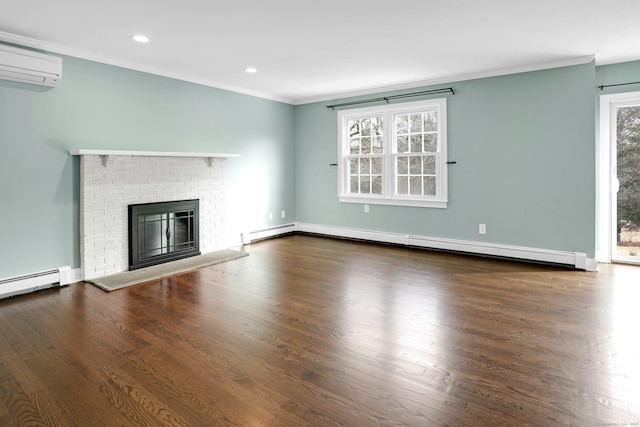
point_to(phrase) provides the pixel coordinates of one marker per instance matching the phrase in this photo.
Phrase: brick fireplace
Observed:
(110, 181)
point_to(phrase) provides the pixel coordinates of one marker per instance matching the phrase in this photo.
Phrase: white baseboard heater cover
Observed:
(33, 282)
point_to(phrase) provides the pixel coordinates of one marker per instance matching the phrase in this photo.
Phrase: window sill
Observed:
(440, 204)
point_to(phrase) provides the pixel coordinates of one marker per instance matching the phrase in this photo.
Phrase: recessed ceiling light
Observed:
(140, 38)
(250, 70)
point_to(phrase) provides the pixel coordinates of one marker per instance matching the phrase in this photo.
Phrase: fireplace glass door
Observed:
(162, 232)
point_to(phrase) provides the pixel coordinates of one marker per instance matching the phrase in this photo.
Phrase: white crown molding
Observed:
(452, 78)
(77, 53)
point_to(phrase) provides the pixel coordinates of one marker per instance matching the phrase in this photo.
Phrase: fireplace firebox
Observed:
(162, 232)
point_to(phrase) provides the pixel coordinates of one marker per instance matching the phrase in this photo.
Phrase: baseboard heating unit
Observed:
(34, 281)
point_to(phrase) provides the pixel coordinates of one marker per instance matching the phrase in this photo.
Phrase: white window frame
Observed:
(388, 196)
(608, 182)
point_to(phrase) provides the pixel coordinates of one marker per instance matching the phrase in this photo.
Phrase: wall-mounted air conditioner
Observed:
(25, 66)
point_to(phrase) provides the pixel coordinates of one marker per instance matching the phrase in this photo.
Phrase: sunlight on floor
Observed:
(625, 318)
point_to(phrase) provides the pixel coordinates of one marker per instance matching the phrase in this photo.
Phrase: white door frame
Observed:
(607, 182)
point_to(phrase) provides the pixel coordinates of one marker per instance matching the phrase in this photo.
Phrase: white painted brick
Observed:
(107, 191)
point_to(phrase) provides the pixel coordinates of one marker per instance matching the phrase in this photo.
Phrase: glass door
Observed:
(626, 182)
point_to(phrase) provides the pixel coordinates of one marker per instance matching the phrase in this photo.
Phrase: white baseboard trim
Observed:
(576, 260)
(63, 276)
(70, 276)
(26, 283)
(353, 233)
(249, 236)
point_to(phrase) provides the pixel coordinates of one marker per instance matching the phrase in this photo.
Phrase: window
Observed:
(394, 154)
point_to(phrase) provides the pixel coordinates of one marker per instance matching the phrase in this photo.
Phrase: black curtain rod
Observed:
(387, 98)
(619, 84)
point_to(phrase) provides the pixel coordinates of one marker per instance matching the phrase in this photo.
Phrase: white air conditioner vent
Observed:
(25, 66)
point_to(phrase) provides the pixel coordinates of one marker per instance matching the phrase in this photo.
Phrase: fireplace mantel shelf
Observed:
(85, 152)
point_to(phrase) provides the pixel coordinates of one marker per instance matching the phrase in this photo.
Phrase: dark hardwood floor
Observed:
(321, 332)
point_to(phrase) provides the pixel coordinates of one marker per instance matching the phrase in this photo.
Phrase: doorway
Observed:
(620, 178)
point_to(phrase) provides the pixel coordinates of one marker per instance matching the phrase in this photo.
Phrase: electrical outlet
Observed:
(283, 214)
(482, 228)
(366, 208)
(270, 215)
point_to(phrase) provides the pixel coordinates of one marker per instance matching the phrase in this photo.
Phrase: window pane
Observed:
(403, 185)
(416, 143)
(376, 185)
(415, 185)
(429, 165)
(415, 165)
(430, 121)
(376, 166)
(353, 166)
(403, 165)
(403, 144)
(431, 142)
(365, 185)
(366, 145)
(376, 126)
(366, 127)
(376, 147)
(354, 144)
(365, 166)
(402, 124)
(416, 123)
(429, 185)
(354, 185)
(354, 127)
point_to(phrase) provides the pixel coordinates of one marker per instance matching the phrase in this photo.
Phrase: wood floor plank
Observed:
(78, 388)
(20, 407)
(53, 411)
(311, 331)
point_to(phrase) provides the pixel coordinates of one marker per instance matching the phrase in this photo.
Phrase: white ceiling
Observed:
(307, 50)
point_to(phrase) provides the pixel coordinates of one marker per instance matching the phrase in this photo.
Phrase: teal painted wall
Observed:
(625, 72)
(103, 107)
(524, 143)
(525, 151)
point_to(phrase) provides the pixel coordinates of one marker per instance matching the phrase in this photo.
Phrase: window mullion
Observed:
(389, 171)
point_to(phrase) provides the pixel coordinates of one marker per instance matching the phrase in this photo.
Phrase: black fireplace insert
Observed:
(162, 232)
